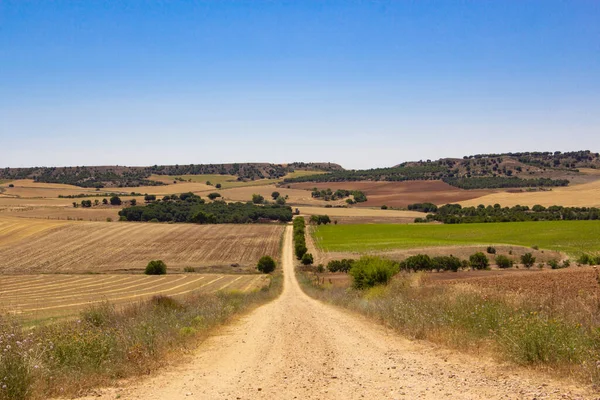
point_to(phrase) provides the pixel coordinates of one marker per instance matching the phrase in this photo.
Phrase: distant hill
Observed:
(121, 176)
(510, 170)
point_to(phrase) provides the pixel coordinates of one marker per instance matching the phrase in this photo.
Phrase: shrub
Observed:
(419, 262)
(384, 207)
(218, 186)
(535, 247)
(300, 249)
(503, 262)
(213, 195)
(11, 185)
(123, 218)
(132, 202)
(566, 263)
(370, 271)
(320, 268)
(491, 250)
(108, 219)
(189, 269)
(554, 264)
(266, 265)
(446, 263)
(343, 265)
(479, 261)
(275, 195)
(585, 259)
(307, 259)
(527, 260)
(257, 199)
(156, 267)
(115, 201)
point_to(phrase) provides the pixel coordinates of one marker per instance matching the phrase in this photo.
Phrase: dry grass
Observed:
(584, 195)
(36, 297)
(361, 212)
(296, 197)
(42, 246)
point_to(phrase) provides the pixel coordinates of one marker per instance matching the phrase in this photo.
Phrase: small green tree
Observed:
(133, 202)
(266, 265)
(280, 200)
(275, 195)
(257, 199)
(479, 261)
(384, 207)
(503, 261)
(149, 198)
(104, 201)
(213, 195)
(218, 186)
(156, 267)
(307, 259)
(527, 260)
(115, 201)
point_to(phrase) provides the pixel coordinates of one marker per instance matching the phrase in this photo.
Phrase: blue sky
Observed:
(362, 83)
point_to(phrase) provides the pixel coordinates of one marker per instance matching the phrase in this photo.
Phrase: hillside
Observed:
(122, 176)
(510, 170)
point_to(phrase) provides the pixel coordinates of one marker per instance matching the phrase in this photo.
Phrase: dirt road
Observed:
(299, 348)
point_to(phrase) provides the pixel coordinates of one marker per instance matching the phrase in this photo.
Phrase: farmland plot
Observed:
(42, 246)
(44, 296)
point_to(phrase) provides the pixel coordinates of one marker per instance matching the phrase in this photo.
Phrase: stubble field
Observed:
(46, 246)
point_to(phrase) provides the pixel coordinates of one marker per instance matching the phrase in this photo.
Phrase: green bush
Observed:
(419, 262)
(554, 264)
(479, 261)
(156, 267)
(266, 265)
(307, 259)
(384, 207)
(370, 271)
(343, 265)
(503, 262)
(527, 260)
(446, 263)
(491, 250)
(189, 269)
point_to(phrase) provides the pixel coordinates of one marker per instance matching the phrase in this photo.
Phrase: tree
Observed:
(275, 195)
(149, 198)
(266, 265)
(527, 260)
(208, 183)
(115, 201)
(96, 202)
(156, 267)
(86, 203)
(257, 199)
(384, 207)
(280, 200)
(214, 195)
(479, 261)
(307, 259)
(218, 186)
(104, 201)
(133, 202)
(503, 262)
(75, 205)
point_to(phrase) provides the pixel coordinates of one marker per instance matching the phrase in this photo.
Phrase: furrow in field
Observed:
(110, 281)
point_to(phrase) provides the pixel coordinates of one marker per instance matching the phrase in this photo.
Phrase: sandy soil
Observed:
(299, 348)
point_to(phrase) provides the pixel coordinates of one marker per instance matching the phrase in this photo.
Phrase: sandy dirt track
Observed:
(298, 348)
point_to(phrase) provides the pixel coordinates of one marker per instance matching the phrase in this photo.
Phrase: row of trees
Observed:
(299, 234)
(193, 209)
(456, 214)
(497, 182)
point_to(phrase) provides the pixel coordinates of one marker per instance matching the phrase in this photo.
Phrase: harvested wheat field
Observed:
(44, 296)
(27, 188)
(584, 195)
(46, 246)
(400, 194)
(363, 215)
(295, 196)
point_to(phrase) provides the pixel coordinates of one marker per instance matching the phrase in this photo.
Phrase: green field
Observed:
(572, 237)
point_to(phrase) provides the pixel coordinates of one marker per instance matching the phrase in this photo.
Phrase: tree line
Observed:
(456, 214)
(191, 208)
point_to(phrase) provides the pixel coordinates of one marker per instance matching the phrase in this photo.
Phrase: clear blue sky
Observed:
(361, 83)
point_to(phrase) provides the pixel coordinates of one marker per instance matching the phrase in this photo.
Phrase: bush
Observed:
(527, 260)
(554, 264)
(503, 262)
(189, 269)
(307, 259)
(213, 195)
(370, 271)
(156, 267)
(479, 261)
(115, 201)
(257, 199)
(275, 195)
(218, 186)
(585, 259)
(266, 265)
(419, 262)
(491, 250)
(446, 263)
(384, 207)
(343, 265)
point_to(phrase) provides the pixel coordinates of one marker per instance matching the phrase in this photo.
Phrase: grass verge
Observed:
(557, 336)
(106, 344)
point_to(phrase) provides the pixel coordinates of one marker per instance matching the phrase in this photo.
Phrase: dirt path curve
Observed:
(298, 348)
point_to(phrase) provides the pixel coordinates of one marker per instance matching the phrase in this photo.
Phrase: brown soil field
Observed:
(44, 296)
(562, 283)
(47, 246)
(400, 194)
(584, 195)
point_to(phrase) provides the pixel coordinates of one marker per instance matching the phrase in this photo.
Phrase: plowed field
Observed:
(43, 296)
